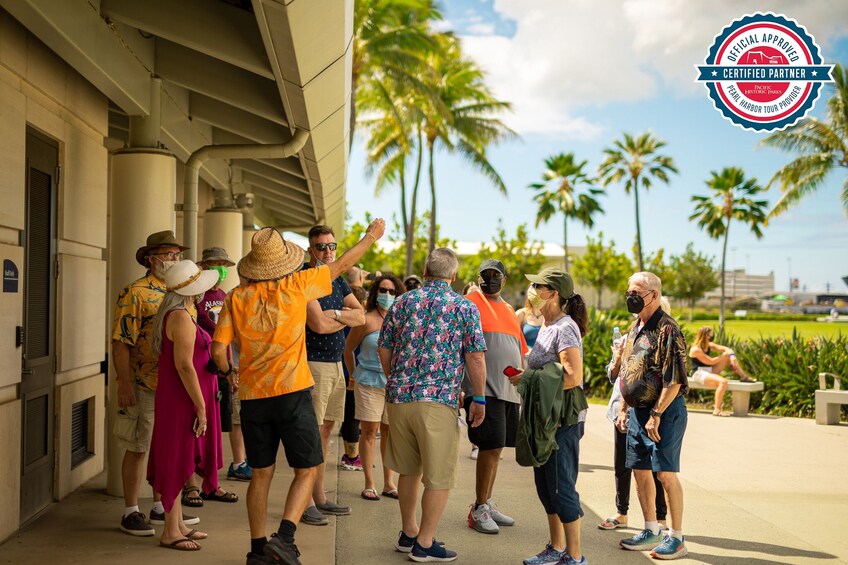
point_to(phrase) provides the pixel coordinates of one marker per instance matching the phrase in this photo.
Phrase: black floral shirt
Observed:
(654, 357)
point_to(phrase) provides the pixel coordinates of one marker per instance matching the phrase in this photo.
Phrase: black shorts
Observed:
(289, 418)
(225, 395)
(498, 428)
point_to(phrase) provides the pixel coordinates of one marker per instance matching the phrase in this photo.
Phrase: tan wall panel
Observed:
(10, 470)
(12, 156)
(45, 69)
(11, 315)
(68, 479)
(88, 103)
(82, 285)
(13, 43)
(83, 192)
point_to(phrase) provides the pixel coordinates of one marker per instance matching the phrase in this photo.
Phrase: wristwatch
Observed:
(337, 314)
(655, 413)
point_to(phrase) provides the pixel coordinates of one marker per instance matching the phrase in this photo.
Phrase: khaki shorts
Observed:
(328, 397)
(236, 410)
(370, 404)
(134, 424)
(423, 440)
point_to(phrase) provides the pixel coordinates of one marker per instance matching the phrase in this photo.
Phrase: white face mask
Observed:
(159, 267)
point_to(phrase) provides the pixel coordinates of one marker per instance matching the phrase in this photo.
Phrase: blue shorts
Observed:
(643, 453)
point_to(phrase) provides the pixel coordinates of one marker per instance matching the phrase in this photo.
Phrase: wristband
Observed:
(733, 355)
(479, 400)
(228, 373)
(371, 236)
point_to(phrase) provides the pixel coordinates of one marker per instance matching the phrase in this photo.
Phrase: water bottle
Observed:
(616, 334)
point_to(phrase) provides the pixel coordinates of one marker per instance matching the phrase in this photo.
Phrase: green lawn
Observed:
(746, 329)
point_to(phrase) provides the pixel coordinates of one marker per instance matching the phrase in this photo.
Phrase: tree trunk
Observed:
(638, 225)
(431, 240)
(691, 309)
(404, 218)
(413, 211)
(723, 259)
(565, 241)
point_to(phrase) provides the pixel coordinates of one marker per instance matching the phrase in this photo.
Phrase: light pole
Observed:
(789, 261)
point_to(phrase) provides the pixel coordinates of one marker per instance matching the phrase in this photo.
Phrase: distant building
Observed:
(739, 284)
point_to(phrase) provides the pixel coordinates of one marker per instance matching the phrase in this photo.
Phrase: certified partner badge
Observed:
(764, 72)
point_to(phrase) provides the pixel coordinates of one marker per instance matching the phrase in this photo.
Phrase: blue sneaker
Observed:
(670, 548)
(241, 473)
(548, 556)
(435, 552)
(569, 560)
(642, 541)
(404, 543)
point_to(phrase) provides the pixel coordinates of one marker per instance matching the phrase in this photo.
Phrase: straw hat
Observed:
(187, 279)
(271, 257)
(154, 241)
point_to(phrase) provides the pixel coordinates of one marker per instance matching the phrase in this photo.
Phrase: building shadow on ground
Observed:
(755, 547)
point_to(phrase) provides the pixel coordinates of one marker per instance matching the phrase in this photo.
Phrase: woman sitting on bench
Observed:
(708, 369)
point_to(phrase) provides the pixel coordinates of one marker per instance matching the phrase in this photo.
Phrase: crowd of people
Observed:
(300, 344)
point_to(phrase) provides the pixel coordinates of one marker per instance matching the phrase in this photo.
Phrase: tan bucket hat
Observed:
(188, 279)
(215, 254)
(159, 239)
(271, 257)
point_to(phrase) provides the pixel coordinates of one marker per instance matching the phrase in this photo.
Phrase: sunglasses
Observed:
(391, 291)
(325, 246)
(540, 286)
(636, 293)
(412, 284)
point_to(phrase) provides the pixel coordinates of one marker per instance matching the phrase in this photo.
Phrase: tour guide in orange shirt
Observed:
(267, 319)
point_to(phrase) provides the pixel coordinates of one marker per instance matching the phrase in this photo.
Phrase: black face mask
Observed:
(491, 285)
(635, 303)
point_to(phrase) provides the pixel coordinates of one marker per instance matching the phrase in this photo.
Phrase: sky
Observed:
(579, 73)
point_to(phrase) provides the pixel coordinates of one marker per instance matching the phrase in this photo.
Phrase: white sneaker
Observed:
(481, 520)
(499, 518)
(474, 451)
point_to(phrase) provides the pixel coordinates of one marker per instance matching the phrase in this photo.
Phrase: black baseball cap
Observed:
(492, 264)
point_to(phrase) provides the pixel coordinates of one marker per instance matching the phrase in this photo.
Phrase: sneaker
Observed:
(241, 473)
(282, 551)
(158, 519)
(499, 518)
(435, 552)
(405, 543)
(670, 548)
(349, 464)
(255, 559)
(333, 509)
(314, 517)
(569, 560)
(548, 556)
(136, 525)
(642, 541)
(481, 519)
(474, 451)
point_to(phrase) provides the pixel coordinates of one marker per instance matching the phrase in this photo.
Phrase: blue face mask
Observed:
(385, 301)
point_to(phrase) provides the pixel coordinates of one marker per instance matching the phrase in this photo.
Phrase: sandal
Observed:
(226, 497)
(180, 545)
(370, 494)
(193, 500)
(747, 380)
(391, 493)
(722, 414)
(194, 535)
(611, 524)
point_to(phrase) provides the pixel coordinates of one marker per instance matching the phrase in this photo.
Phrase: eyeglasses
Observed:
(541, 286)
(325, 246)
(173, 255)
(383, 290)
(636, 293)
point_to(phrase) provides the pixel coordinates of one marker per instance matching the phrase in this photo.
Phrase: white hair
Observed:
(171, 301)
(665, 305)
(441, 264)
(648, 280)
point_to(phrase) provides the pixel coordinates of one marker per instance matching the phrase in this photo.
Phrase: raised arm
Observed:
(374, 232)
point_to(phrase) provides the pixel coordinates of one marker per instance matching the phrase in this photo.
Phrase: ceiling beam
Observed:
(216, 79)
(276, 190)
(290, 166)
(272, 174)
(280, 210)
(213, 28)
(224, 116)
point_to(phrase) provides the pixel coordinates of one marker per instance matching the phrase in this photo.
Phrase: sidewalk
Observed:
(758, 490)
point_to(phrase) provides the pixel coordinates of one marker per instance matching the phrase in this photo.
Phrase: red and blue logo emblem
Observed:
(764, 72)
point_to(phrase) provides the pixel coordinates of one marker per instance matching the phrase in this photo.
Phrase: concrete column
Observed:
(222, 228)
(143, 185)
(247, 237)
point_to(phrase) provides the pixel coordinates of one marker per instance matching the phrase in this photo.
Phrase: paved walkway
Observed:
(758, 490)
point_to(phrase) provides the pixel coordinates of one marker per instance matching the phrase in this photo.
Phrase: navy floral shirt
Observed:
(654, 357)
(429, 331)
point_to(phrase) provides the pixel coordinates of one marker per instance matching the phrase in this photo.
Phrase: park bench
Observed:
(829, 401)
(741, 394)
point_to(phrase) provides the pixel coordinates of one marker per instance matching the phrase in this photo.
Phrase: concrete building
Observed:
(119, 118)
(739, 284)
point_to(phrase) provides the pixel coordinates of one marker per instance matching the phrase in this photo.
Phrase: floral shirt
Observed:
(429, 331)
(133, 325)
(653, 358)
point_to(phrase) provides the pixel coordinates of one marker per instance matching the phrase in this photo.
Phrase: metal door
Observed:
(38, 378)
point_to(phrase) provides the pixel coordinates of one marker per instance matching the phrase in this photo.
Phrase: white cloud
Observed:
(481, 28)
(570, 54)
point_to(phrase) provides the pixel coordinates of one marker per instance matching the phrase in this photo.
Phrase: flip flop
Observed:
(370, 494)
(180, 545)
(194, 535)
(611, 524)
(391, 493)
(226, 497)
(722, 414)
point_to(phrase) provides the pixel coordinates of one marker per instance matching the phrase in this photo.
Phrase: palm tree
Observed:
(635, 159)
(732, 198)
(822, 145)
(460, 117)
(562, 180)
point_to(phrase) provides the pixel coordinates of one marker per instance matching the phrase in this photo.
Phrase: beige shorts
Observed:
(134, 424)
(328, 397)
(236, 410)
(370, 404)
(424, 440)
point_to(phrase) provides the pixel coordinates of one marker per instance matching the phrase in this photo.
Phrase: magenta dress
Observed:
(175, 452)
